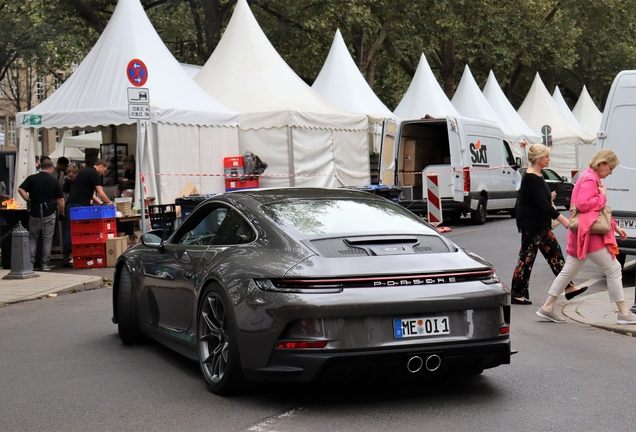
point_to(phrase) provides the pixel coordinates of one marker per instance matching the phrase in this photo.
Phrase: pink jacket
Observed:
(589, 202)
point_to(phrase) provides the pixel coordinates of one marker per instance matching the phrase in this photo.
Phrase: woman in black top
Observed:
(534, 221)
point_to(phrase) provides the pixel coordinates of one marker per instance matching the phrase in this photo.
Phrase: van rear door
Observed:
(456, 158)
(388, 153)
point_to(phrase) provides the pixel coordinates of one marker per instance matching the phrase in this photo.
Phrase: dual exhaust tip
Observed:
(416, 363)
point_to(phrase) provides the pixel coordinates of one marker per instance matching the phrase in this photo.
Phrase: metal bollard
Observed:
(21, 267)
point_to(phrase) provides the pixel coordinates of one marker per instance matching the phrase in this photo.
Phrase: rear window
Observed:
(334, 216)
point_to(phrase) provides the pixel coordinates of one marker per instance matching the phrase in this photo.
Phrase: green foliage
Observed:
(569, 42)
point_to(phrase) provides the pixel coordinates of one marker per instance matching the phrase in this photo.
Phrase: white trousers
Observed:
(603, 259)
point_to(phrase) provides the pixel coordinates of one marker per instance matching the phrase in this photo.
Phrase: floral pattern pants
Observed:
(545, 242)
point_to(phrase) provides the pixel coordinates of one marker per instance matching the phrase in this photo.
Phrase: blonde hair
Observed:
(607, 156)
(536, 152)
(72, 168)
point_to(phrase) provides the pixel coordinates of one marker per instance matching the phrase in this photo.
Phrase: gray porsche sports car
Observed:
(301, 284)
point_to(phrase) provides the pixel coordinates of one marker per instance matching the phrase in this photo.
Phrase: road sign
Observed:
(138, 95)
(137, 72)
(32, 119)
(139, 111)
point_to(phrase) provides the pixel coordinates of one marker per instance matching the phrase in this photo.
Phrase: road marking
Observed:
(267, 425)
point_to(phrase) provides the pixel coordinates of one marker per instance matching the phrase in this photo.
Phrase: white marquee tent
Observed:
(72, 147)
(587, 114)
(341, 83)
(424, 96)
(571, 147)
(471, 102)
(188, 132)
(558, 98)
(305, 139)
(506, 112)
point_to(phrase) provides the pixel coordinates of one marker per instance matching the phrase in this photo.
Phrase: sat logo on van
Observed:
(478, 152)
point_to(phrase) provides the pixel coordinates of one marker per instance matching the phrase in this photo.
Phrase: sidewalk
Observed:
(597, 310)
(48, 284)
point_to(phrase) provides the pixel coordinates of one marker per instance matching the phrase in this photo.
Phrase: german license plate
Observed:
(417, 327)
(625, 222)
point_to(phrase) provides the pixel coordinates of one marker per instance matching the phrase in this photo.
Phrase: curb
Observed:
(86, 283)
(571, 310)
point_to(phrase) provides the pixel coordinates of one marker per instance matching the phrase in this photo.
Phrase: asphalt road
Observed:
(64, 368)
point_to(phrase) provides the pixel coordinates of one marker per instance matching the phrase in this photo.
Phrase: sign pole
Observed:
(140, 183)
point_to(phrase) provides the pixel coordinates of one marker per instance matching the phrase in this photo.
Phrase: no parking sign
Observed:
(137, 72)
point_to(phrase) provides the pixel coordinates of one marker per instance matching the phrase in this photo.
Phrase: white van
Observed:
(477, 171)
(618, 133)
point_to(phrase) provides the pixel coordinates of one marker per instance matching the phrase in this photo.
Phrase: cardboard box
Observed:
(412, 180)
(115, 247)
(189, 189)
(416, 155)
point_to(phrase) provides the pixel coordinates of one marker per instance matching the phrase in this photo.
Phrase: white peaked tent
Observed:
(188, 131)
(571, 147)
(587, 114)
(558, 98)
(191, 70)
(305, 139)
(506, 112)
(471, 102)
(72, 147)
(341, 83)
(424, 96)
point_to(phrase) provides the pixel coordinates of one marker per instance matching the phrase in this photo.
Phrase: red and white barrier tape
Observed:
(312, 175)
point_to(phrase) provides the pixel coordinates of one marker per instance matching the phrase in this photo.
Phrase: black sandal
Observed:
(521, 301)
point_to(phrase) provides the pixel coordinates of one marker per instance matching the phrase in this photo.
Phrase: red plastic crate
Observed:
(233, 162)
(93, 225)
(236, 184)
(78, 238)
(89, 262)
(89, 250)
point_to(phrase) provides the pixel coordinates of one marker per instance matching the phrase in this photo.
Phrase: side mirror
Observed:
(517, 162)
(564, 178)
(153, 239)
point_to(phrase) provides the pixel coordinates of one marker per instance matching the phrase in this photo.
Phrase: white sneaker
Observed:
(550, 316)
(629, 319)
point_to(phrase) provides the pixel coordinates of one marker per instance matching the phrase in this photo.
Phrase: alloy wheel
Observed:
(214, 341)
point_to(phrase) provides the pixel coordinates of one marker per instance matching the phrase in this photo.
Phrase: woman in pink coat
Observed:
(590, 196)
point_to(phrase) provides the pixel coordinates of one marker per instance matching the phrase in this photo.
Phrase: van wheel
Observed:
(478, 216)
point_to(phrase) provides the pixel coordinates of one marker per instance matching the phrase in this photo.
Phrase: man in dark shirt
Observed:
(44, 194)
(87, 183)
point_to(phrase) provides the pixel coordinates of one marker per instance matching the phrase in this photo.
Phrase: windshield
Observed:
(336, 216)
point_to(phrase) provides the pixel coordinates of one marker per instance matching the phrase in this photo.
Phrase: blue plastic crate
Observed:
(93, 212)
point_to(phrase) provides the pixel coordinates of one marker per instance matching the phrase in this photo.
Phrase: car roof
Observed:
(271, 195)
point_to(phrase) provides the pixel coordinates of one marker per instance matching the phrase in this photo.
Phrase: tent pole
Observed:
(290, 146)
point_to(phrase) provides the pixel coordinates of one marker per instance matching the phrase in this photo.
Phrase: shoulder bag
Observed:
(555, 223)
(602, 225)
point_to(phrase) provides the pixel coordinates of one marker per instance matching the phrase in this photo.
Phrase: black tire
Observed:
(127, 318)
(478, 216)
(217, 344)
(621, 259)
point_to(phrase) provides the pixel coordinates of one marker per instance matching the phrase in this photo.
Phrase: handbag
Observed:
(555, 223)
(602, 225)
